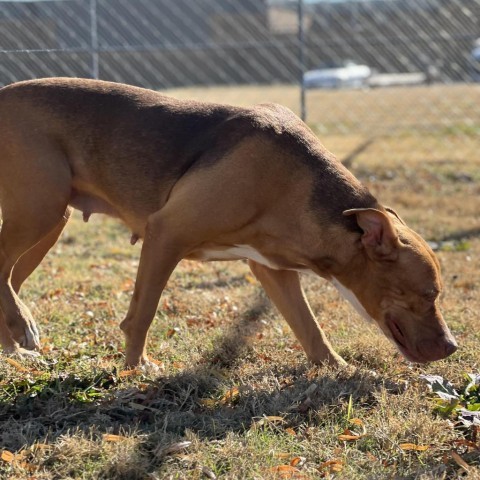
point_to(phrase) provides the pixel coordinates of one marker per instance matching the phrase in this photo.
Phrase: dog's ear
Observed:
(394, 213)
(380, 237)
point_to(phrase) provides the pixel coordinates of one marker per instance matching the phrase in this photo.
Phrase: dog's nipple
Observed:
(86, 216)
(134, 238)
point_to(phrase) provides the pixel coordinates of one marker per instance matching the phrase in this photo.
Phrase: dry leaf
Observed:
(230, 396)
(372, 457)
(291, 431)
(331, 466)
(7, 456)
(207, 402)
(127, 285)
(412, 446)
(266, 420)
(172, 331)
(110, 437)
(129, 373)
(298, 462)
(460, 461)
(468, 443)
(286, 471)
(349, 436)
(17, 365)
(30, 467)
(356, 421)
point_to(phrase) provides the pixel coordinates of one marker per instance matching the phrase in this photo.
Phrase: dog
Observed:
(206, 182)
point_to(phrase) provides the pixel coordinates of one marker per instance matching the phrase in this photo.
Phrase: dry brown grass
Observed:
(229, 366)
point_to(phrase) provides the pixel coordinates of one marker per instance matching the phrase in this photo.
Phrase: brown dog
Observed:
(205, 182)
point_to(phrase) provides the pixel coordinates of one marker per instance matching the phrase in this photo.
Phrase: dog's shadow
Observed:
(199, 399)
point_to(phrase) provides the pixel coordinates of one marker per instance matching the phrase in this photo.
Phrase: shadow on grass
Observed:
(194, 399)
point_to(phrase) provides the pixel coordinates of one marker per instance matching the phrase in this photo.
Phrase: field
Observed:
(233, 396)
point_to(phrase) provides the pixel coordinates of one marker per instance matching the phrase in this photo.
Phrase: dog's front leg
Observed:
(160, 255)
(284, 289)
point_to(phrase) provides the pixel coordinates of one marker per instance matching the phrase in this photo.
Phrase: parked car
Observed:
(475, 61)
(345, 74)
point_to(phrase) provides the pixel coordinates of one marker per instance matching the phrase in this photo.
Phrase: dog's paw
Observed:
(31, 338)
(145, 365)
(333, 360)
(26, 335)
(16, 351)
(150, 368)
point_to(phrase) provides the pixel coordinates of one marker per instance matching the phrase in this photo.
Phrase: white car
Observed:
(475, 61)
(345, 74)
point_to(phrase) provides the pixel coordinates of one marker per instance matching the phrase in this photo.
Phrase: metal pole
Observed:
(94, 38)
(301, 59)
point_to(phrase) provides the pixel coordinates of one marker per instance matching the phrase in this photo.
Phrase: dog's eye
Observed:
(431, 295)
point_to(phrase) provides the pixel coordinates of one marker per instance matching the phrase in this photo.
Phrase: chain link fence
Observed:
(419, 63)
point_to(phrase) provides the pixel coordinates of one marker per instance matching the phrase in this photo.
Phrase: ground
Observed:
(234, 396)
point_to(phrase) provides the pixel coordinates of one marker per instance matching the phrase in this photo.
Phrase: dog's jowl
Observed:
(206, 182)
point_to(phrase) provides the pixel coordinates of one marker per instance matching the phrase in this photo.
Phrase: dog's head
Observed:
(395, 280)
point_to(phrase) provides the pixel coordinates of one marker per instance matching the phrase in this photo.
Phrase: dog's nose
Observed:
(436, 349)
(450, 346)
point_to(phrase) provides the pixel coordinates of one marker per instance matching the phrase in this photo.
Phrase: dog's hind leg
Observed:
(284, 289)
(27, 263)
(35, 190)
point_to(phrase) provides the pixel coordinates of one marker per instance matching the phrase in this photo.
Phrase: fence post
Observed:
(301, 59)
(94, 38)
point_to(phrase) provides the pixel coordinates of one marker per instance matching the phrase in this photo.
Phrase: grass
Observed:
(234, 396)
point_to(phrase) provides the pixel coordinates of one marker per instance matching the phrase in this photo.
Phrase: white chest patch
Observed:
(236, 253)
(351, 297)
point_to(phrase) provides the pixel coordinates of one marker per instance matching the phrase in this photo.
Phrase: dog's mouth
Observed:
(400, 340)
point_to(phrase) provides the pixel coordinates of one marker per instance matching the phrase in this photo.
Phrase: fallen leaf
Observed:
(460, 461)
(30, 467)
(127, 285)
(266, 420)
(172, 331)
(110, 437)
(129, 373)
(7, 456)
(291, 431)
(372, 457)
(286, 471)
(356, 421)
(331, 466)
(230, 396)
(17, 365)
(297, 461)
(349, 436)
(412, 446)
(207, 402)
(468, 443)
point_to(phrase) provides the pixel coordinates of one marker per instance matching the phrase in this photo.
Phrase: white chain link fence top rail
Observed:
(239, 44)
